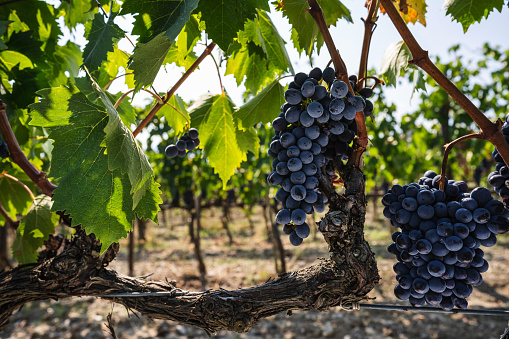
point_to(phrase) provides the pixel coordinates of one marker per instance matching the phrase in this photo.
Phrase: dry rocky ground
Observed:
(167, 253)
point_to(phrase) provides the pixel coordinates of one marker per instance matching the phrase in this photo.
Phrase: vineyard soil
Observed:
(249, 261)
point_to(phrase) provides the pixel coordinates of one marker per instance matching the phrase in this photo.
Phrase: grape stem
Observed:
(8, 219)
(168, 95)
(448, 147)
(4, 174)
(18, 157)
(420, 58)
(369, 29)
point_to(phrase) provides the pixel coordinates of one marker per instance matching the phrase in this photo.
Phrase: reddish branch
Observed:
(19, 158)
(490, 130)
(369, 28)
(448, 149)
(172, 91)
(25, 187)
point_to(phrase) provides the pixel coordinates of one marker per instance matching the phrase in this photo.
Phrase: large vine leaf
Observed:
(101, 40)
(213, 116)
(34, 228)
(305, 30)
(468, 12)
(395, 62)
(264, 106)
(157, 17)
(95, 195)
(224, 18)
(147, 60)
(124, 152)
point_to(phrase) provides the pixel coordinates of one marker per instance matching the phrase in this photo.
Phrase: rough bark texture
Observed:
(347, 276)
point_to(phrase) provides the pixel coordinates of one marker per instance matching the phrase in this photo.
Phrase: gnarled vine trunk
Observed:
(347, 276)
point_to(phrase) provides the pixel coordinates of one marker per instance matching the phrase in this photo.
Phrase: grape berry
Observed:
(316, 124)
(187, 142)
(438, 247)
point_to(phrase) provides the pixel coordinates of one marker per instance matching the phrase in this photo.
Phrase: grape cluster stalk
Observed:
(438, 247)
(316, 124)
(187, 142)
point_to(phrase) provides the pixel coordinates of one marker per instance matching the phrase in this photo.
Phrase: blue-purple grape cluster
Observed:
(187, 142)
(316, 124)
(499, 179)
(4, 151)
(439, 259)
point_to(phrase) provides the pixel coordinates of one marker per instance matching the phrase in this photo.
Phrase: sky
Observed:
(437, 37)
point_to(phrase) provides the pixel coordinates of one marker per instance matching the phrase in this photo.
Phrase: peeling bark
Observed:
(347, 276)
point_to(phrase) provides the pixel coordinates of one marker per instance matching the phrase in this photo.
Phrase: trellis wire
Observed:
(357, 306)
(346, 307)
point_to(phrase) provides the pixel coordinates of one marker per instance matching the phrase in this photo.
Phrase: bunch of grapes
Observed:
(439, 259)
(498, 178)
(4, 151)
(316, 124)
(187, 142)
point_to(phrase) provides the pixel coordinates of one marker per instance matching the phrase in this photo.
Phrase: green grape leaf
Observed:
(24, 43)
(200, 111)
(249, 62)
(124, 152)
(109, 69)
(10, 59)
(147, 60)
(468, 12)
(181, 52)
(148, 206)
(214, 120)
(225, 18)
(159, 17)
(395, 62)
(34, 228)
(95, 195)
(176, 119)
(263, 107)
(14, 198)
(248, 140)
(306, 30)
(101, 40)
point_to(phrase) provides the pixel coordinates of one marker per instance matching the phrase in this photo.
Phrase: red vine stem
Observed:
(4, 174)
(168, 95)
(448, 148)
(491, 131)
(19, 158)
(8, 219)
(369, 28)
